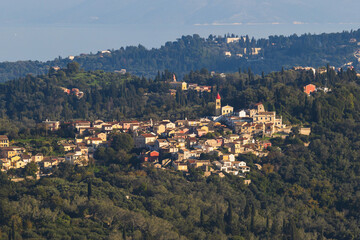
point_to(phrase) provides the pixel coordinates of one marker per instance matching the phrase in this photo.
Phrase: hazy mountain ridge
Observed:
(179, 12)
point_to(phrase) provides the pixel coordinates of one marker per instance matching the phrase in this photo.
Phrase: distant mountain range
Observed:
(216, 53)
(177, 11)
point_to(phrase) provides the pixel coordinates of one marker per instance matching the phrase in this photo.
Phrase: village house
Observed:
(201, 131)
(180, 123)
(143, 140)
(227, 110)
(81, 125)
(7, 152)
(180, 166)
(168, 124)
(107, 128)
(198, 163)
(26, 158)
(150, 156)
(98, 124)
(51, 125)
(192, 122)
(4, 141)
(5, 164)
(116, 125)
(191, 142)
(310, 88)
(94, 142)
(37, 158)
(50, 162)
(19, 163)
(102, 136)
(159, 129)
(126, 125)
(160, 143)
(68, 147)
(305, 131)
(72, 157)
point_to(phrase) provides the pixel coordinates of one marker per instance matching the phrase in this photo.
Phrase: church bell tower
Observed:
(218, 105)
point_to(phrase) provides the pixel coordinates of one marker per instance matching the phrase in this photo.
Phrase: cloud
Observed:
(218, 24)
(240, 23)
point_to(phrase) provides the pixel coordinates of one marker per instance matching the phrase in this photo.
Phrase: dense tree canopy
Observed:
(300, 193)
(193, 53)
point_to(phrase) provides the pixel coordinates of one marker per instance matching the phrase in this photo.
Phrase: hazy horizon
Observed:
(45, 29)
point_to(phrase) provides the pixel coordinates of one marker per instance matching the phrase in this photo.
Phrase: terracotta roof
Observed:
(266, 113)
(82, 121)
(96, 139)
(218, 96)
(3, 137)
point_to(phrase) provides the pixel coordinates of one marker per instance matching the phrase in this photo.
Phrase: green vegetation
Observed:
(300, 193)
(193, 53)
(110, 96)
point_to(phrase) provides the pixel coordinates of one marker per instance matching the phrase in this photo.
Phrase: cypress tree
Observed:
(252, 218)
(201, 218)
(228, 217)
(89, 190)
(124, 234)
(13, 230)
(247, 210)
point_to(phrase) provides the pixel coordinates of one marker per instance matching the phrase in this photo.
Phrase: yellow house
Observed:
(227, 110)
(68, 147)
(102, 136)
(19, 164)
(205, 128)
(5, 164)
(15, 159)
(8, 152)
(159, 129)
(305, 131)
(4, 141)
(236, 148)
(180, 166)
(79, 140)
(199, 163)
(38, 158)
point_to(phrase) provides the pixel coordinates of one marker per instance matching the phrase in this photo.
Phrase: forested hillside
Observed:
(112, 96)
(193, 53)
(300, 193)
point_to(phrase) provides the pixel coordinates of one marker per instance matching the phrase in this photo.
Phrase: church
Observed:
(226, 110)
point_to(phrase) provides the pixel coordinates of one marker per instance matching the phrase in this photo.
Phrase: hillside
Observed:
(193, 53)
(307, 188)
(113, 96)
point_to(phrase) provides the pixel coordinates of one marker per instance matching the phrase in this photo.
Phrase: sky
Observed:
(45, 29)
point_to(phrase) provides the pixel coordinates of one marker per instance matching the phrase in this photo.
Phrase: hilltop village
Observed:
(212, 144)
